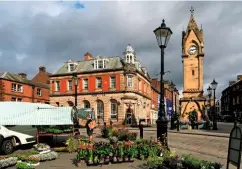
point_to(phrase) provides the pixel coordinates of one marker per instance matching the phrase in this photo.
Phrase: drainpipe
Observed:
(33, 87)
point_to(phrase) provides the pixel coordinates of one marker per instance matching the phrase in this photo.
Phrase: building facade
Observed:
(16, 87)
(231, 99)
(118, 89)
(192, 59)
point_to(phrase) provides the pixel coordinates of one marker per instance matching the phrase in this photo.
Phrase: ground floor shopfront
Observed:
(121, 108)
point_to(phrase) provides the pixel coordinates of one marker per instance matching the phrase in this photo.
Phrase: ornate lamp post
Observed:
(163, 35)
(75, 79)
(209, 89)
(214, 86)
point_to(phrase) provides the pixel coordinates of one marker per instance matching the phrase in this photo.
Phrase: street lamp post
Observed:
(163, 35)
(75, 79)
(209, 97)
(214, 86)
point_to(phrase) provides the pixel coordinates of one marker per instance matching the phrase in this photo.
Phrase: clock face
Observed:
(192, 50)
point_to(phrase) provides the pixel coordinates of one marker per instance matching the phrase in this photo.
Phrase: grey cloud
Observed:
(106, 28)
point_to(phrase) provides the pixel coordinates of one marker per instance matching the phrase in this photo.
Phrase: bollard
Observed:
(178, 125)
(141, 130)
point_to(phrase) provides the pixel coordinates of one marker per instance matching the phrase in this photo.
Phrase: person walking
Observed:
(90, 125)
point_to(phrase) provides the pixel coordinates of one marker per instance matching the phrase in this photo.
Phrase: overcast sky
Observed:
(33, 34)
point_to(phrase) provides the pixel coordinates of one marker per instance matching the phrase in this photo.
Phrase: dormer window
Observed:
(100, 63)
(71, 67)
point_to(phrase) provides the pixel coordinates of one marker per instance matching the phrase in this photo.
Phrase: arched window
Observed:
(114, 110)
(193, 72)
(86, 104)
(131, 59)
(100, 110)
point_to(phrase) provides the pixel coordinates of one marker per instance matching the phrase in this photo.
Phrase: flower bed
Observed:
(172, 161)
(6, 161)
(122, 134)
(28, 159)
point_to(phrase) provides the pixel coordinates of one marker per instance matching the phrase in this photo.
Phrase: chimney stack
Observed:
(42, 69)
(239, 77)
(88, 56)
(23, 75)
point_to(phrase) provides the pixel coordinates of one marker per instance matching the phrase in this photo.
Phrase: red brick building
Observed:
(16, 87)
(119, 89)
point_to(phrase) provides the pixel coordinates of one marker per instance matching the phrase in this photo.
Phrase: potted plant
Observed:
(120, 152)
(71, 144)
(114, 152)
(128, 145)
(90, 154)
(107, 150)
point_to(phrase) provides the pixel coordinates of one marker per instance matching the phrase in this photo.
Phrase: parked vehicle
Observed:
(10, 139)
(227, 118)
(20, 119)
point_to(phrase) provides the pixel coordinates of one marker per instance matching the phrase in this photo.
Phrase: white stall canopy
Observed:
(23, 113)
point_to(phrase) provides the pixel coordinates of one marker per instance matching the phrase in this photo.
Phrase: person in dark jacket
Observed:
(90, 118)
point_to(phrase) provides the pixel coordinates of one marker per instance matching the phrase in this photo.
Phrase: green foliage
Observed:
(55, 129)
(193, 116)
(154, 162)
(71, 144)
(23, 165)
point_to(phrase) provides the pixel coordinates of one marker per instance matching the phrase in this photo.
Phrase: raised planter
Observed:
(7, 162)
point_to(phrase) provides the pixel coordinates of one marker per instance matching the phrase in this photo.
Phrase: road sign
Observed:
(234, 150)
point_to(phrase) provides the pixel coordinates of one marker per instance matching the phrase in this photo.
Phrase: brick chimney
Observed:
(42, 69)
(239, 77)
(23, 75)
(88, 56)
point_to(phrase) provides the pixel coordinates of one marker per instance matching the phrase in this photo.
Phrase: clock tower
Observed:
(192, 59)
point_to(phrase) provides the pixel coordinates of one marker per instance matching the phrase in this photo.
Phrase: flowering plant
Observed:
(185, 122)
(32, 160)
(201, 122)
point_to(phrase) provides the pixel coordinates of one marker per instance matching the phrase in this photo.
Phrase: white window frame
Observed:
(20, 88)
(69, 85)
(85, 84)
(112, 82)
(71, 67)
(14, 87)
(57, 87)
(130, 81)
(39, 92)
(114, 113)
(98, 83)
(100, 64)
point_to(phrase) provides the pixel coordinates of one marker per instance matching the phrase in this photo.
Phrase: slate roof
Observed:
(86, 66)
(113, 63)
(17, 78)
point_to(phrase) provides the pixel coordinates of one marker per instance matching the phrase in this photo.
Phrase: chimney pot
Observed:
(88, 56)
(23, 75)
(42, 69)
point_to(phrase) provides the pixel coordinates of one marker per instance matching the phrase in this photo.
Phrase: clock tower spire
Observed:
(192, 59)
